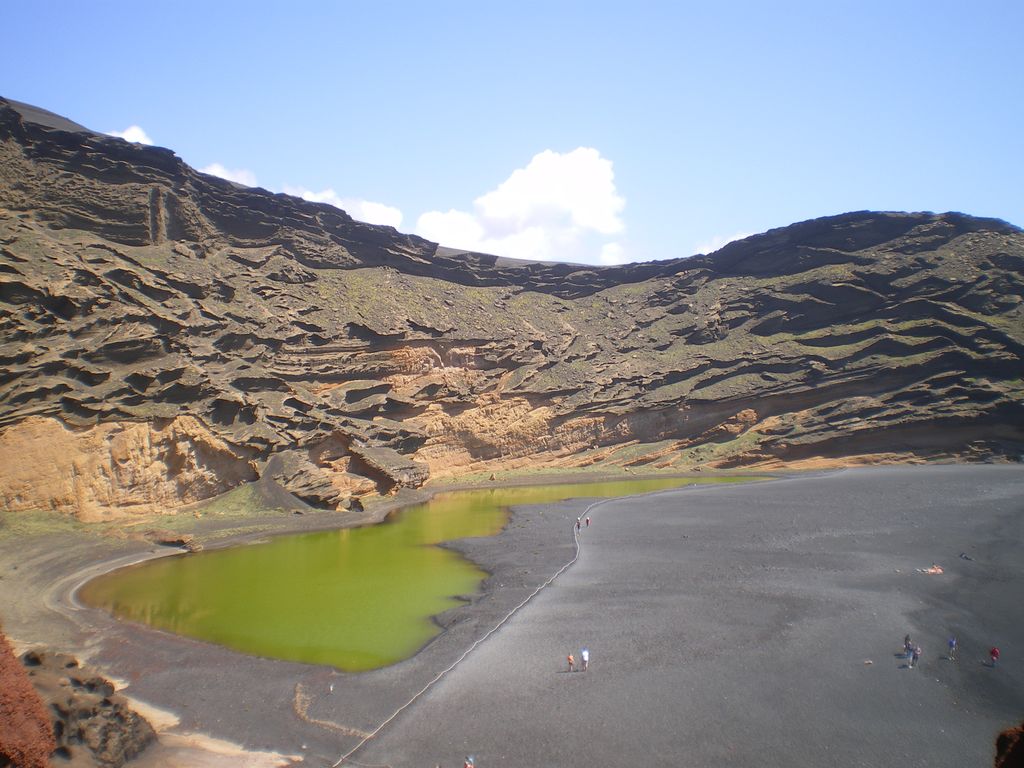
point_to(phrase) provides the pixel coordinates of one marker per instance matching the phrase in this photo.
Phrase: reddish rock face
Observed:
(169, 335)
(1010, 748)
(26, 732)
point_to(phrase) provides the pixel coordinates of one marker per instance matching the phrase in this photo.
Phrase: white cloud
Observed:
(373, 213)
(239, 175)
(454, 228)
(612, 253)
(719, 241)
(577, 188)
(551, 209)
(361, 210)
(132, 133)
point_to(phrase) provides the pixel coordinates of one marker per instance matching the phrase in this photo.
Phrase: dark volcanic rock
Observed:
(169, 335)
(92, 725)
(1010, 748)
(186, 541)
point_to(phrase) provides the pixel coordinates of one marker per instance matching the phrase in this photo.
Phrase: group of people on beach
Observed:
(913, 652)
(584, 660)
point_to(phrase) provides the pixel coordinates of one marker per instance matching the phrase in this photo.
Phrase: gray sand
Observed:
(732, 626)
(728, 625)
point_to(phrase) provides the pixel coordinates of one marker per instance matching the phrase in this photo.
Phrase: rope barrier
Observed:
(475, 644)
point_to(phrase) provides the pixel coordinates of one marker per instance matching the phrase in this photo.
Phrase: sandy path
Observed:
(731, 626)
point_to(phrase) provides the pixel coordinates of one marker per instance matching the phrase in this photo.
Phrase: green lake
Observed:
(353, 598)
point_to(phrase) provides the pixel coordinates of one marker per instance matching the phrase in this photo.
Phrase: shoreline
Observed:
(283, 710)
(46, 611)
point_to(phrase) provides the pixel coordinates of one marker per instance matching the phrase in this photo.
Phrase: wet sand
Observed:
(728, 625)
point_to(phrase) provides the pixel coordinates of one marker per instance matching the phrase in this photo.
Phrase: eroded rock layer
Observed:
(168, 335)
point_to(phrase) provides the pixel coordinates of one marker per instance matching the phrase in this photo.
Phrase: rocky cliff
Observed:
(169, 335)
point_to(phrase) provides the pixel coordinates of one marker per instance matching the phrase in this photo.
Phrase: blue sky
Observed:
(590, 131)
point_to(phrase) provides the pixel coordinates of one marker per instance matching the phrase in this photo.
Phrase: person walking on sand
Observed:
(588, 521)
(994, 655)
(584, 659)
(914, 656)
(908, 646)
(952, 648)
(572, 663)
(578, 521)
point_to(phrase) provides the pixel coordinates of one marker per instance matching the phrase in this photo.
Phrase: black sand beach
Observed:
(728, 625)
(734, 626)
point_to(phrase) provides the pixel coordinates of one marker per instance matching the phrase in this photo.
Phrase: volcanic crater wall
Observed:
(168, 335)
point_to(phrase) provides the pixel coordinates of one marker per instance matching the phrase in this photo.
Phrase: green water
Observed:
(356, 598)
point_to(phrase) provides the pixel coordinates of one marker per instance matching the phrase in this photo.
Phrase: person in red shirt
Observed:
(994, 655)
